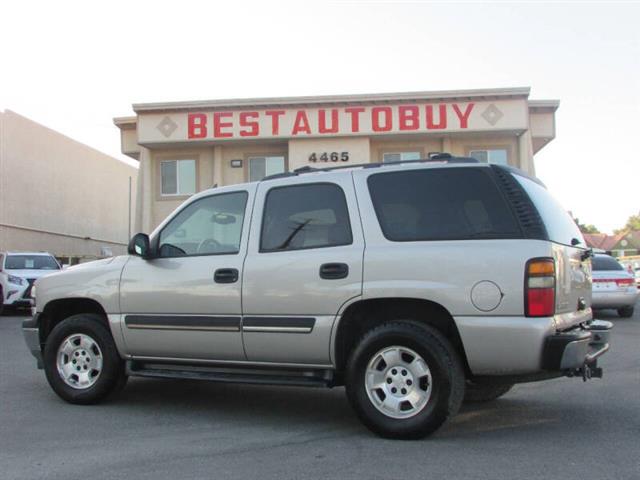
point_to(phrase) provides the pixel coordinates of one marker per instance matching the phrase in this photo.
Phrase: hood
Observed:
(92, 264)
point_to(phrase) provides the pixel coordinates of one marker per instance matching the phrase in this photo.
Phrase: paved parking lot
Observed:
(165, 429)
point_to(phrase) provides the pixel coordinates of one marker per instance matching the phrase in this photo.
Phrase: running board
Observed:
(289, 377)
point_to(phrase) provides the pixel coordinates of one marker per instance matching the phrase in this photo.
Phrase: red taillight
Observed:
(540, 288)
(621, 282)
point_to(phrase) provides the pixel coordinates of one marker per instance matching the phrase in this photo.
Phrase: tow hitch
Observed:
(587, 372)
(575, 352)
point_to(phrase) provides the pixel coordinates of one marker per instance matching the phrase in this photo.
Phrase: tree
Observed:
(632, 225)
(585, 228)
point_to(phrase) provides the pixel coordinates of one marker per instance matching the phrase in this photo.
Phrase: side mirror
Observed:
(139, 245)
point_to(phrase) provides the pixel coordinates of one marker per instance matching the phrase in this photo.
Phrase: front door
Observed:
(186, 303)
(304, 263)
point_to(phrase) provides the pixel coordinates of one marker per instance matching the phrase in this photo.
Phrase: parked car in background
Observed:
(18, 272)
(613, 286)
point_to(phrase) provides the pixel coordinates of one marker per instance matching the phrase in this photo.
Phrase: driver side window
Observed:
(209, 226)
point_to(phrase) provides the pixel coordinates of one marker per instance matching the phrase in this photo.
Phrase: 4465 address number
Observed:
(329, 157)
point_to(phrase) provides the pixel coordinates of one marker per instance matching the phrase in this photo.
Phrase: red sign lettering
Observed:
(463, 117)
(196, 125)
(275, 120)
(375, 119)
(322, 121)
(409, 117)
(442, 117)
(218, 124)
(254, 126)
(301, 123)
(355, 117)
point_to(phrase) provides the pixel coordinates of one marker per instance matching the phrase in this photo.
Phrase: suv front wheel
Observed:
(404, 380)
(81, 361)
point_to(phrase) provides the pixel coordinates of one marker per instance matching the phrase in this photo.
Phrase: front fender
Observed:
(99, 281)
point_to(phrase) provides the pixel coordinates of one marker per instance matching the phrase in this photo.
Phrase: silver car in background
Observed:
(613, 286)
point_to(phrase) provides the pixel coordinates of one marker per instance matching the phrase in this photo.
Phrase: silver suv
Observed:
(415, 285)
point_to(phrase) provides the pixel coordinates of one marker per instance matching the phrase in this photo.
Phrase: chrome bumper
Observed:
(575, 352)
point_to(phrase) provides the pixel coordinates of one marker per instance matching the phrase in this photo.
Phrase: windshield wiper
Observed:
(290, 238)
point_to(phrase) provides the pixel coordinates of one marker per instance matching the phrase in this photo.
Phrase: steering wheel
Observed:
(204, 245)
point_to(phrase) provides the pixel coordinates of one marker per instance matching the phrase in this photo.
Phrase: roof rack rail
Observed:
(438, 157)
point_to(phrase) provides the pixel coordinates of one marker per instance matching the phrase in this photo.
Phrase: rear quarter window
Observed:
(560, 226)
(441, 204)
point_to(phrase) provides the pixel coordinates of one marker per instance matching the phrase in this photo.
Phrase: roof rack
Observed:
(438, 157)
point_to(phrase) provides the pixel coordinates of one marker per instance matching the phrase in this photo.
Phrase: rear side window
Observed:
(441, 204)
(601, 262)
(305, 216)
(560, 226)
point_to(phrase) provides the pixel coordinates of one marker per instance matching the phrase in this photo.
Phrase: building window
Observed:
(178, 177)
(498, 156)
(400, 156)
(260, 167)
(305, 216)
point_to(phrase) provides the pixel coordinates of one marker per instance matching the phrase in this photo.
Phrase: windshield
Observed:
(31, 262)
(601, 262)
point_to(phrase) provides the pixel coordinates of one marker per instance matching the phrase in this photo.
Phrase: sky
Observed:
(73, 66)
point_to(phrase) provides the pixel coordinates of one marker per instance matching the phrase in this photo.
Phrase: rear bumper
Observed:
(576, 348)
(615, 299)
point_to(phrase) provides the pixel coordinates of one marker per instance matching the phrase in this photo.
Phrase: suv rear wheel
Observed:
(81, 361)
(404, 380)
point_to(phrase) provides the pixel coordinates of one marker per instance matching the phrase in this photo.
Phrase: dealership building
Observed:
(186, 147)
(59, 195)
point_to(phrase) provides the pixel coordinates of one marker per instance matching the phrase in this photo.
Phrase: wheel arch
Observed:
(55, 311)
(363, 315)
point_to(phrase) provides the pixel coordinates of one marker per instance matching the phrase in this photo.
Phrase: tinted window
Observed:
(603, 262)
(305, 216)
(442, 204)
(208, 226)
(31, 262)
(560, 226)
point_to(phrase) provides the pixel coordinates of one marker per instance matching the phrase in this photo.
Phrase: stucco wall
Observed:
(59, 195)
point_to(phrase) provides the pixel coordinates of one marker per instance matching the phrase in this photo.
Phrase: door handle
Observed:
(226, 275)
(334, 271)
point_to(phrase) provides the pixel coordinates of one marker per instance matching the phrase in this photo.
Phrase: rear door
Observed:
(303, 264)
(573, 275)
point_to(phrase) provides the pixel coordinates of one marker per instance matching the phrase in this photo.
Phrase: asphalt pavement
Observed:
(168, 429)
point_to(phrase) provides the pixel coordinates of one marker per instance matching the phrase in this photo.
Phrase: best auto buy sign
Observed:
(220, 125)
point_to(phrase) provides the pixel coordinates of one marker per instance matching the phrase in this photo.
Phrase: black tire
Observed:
(477, 393)
(446, 371)
(625, 312)
(1, 301)
(112, 376)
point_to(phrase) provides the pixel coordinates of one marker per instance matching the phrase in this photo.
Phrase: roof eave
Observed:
(467, 95)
